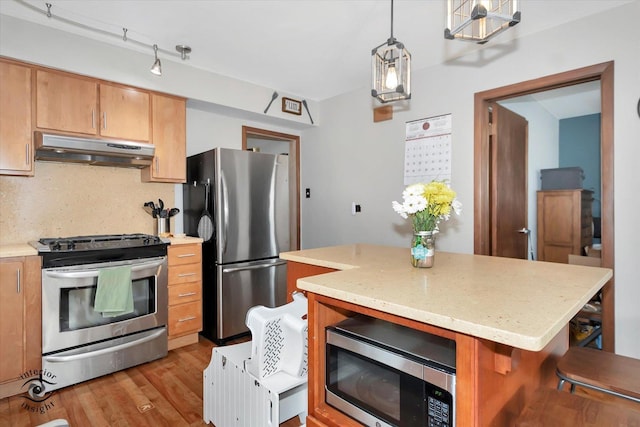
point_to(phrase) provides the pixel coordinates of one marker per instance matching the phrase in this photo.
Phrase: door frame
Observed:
(294, 173)
(482, 203)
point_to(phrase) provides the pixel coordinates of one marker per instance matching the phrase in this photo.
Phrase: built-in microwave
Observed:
(383, 374)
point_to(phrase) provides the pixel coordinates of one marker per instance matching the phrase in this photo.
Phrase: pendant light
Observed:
(480, 20)
(391, 70)
(156, 68)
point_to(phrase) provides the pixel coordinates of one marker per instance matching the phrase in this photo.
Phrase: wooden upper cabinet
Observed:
(65, 103)
(16, 145)
(169, 138)
(124, 113)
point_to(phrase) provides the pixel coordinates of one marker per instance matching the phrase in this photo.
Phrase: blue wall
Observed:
(580, 146)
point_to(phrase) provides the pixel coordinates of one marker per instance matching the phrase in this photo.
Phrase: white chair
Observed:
(262, 382)
(279, 339)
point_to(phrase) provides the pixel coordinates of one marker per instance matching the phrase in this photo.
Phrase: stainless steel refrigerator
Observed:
(246, 195)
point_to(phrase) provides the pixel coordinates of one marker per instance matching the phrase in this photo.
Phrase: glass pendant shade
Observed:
(480, 20)
(391, 72)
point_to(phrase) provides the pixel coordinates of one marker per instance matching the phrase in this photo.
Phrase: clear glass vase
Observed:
(423, 249)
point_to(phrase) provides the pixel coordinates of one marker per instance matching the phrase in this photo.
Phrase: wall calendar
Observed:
(427, 153)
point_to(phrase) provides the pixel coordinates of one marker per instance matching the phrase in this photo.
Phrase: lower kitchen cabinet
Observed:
(185, 293)
(21, 325)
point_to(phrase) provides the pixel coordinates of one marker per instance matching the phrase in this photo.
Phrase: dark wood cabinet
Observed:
(564, 224)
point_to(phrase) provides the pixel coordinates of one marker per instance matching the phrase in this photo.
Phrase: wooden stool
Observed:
(600, 370)
(550, 407)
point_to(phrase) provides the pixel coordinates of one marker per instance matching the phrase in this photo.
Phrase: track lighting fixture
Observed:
(184, 51)
(156, 68)
(122, 34)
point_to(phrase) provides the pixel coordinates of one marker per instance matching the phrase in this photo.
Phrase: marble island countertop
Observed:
(519, 303)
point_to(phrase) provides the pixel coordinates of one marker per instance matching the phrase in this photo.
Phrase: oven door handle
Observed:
(88, 354)
(81, 274)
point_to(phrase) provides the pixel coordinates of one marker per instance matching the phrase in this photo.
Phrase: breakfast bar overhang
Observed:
(508, 317)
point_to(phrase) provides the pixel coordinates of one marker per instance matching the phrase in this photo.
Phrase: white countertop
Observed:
(19, 249)
(519, 303)
(184, 240)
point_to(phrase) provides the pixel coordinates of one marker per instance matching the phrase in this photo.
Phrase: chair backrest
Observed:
(279, 339)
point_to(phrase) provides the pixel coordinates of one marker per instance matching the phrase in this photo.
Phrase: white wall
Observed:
(42, 45)
(350, 158)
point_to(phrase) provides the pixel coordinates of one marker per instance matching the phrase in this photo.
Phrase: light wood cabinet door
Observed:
(185, 293)
(12, 325)
(66, 103)
(124, 113)
(169, 138)
(21, 324)
(16, 144)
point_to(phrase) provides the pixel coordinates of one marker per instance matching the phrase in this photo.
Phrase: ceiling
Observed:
(571, 101)
(314, 49)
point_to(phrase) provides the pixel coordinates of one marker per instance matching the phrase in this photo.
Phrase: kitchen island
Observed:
(509, 318)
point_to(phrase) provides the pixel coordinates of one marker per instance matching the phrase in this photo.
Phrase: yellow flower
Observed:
(428, 204)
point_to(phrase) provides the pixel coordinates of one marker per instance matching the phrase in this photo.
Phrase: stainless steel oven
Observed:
(79, 342)
(383, 374)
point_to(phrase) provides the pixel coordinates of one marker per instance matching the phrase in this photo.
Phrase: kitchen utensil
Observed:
(161, 205)
(273, 98)
(173, 212)
(151, 209)
(205, 225)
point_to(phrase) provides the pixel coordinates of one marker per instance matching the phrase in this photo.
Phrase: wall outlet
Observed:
(355, 208)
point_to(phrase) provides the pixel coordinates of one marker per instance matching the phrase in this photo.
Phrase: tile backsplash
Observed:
(68, 199)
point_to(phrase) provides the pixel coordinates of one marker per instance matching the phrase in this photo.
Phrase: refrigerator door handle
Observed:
(225, 204)
(253, 267)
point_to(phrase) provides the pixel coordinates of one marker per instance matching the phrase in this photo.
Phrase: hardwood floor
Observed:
(166, 392)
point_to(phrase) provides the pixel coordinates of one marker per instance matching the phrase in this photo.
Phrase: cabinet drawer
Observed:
(185, 292)
(185, 273)
(185, 318)
(184, 254)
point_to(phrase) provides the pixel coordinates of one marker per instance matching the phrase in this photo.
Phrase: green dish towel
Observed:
(114, 294)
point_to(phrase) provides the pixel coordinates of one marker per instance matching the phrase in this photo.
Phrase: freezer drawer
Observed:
(244, 285)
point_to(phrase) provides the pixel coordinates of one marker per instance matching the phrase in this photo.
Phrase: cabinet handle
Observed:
(18, 282)
(186, 255)
(186, 274)
(104, 120)
(186, 319)
(93, 119)
(187, 294)
(27, 151)
(157, 165)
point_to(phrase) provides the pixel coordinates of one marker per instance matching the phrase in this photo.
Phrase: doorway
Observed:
(281, 143)
(483, 203)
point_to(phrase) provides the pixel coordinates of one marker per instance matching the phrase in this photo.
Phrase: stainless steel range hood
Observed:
(102, 152)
